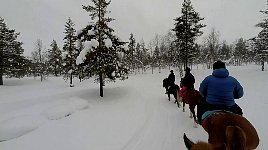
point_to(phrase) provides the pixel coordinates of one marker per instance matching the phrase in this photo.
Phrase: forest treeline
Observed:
(95, 50)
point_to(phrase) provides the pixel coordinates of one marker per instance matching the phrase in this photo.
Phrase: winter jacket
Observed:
(188, 80)
(220, 88)
(171, 78)
(182, 90)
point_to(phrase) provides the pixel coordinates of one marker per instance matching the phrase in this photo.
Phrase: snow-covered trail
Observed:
(132, 114)
(164, 123)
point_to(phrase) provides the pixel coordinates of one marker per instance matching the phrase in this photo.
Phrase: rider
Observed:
(219, 91)
(187, 82)
(171, 78)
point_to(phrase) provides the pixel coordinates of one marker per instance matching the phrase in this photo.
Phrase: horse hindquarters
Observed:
(219, 125)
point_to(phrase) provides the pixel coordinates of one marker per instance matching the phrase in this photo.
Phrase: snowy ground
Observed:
(133, 115)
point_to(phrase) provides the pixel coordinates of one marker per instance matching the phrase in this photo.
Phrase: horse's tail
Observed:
(235, 137)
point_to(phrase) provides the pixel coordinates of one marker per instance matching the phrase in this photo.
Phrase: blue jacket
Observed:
(220, 88)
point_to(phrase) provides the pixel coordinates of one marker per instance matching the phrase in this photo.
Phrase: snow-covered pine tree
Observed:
(144, 55)
(79, 72)
(100, 57)
(187, 29)
(240, 52)
(54, 59)
(131, 51)
(156, 57)
(12, 62)
(261, 41)
(70, 52)
(225, 51)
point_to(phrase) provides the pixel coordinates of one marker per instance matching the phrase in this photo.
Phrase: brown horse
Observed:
(191, 97)
(226, 131)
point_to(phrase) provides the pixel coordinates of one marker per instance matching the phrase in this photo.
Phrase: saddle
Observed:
(205, 109)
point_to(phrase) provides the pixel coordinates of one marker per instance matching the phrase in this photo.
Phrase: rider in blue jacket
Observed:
(219, 90)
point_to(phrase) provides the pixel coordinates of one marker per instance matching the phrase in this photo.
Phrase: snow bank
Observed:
(65, 109)
(18, 126)
(21, 125)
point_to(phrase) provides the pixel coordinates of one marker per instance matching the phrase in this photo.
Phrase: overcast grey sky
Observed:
(45, 19)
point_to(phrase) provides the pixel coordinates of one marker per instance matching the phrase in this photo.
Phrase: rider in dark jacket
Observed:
(188, 80)
(171, 78)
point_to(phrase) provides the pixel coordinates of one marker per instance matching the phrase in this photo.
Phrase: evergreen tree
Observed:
(187, 29)
(224, 51)
(240, 52)
(102, 49)
(130, 57)
(144, 56)
(54, 59)
(156, 57)
(71, 52)
(12, 63)
(261, 41)
(79, 72)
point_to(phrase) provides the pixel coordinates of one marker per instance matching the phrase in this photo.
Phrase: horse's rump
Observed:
(192, 97)
(220, 124)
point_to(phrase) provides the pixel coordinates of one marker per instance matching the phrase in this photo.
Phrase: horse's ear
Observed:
(188, 143)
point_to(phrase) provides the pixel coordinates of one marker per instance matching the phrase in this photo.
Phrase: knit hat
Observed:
(218, 64)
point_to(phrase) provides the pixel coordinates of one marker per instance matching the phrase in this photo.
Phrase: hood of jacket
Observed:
(220, 73)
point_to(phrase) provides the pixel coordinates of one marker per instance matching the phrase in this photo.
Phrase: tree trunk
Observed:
(71, 80)
(1, 67)
(262, 67)
(1, 77)
(101, 85)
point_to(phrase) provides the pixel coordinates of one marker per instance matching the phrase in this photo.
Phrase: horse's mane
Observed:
(235, 138)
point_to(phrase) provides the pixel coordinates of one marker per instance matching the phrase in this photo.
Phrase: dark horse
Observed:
(171, 88)
(226, 131)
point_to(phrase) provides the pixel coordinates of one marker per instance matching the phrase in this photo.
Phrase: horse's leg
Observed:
(193, 116)
(183, 105)
(178, 103)
(168, 96)
(178, 99)
(175, 96)
(166, 89)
